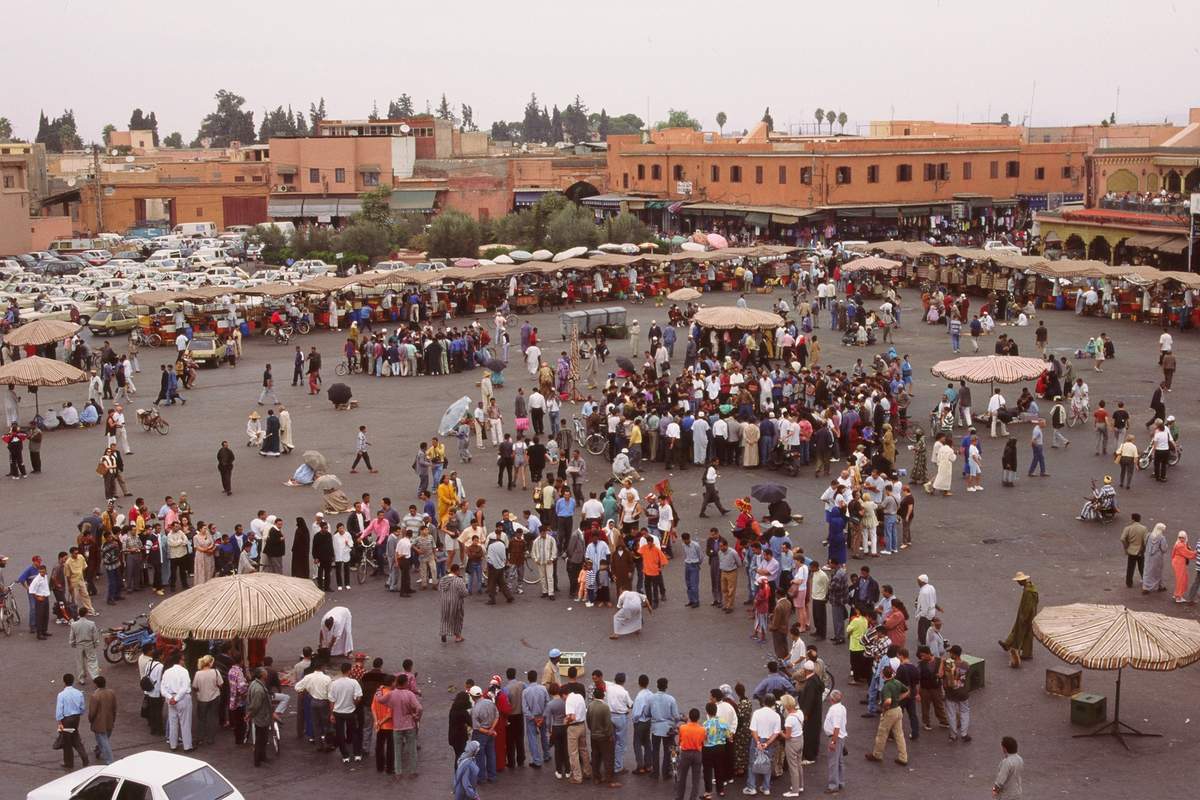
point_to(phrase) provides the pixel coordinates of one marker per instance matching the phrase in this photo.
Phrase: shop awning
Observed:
(369, 168)
(285, 169)
(523, 198)
(331, 207)
(1166, 244)
(608, 200)
(784, 219)
(412, 199)
(657, 204)
(712, 209)
(758, 218)
(284, 209)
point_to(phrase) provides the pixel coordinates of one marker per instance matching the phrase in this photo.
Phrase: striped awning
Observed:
(39, 371)
(254, 606)
(41, 331)
(989, 369)
(734, 318)
(871, 264)
(1113, 637)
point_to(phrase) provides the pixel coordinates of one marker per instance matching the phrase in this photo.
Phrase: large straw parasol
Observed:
(38, 371)
(42, 331)
(252, 606)
(685, 294)
(734, 318)
(1113, 637)
(990, 369)
(871, 264)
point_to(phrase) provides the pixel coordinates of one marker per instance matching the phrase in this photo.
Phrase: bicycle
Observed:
(367, 565)
(594, 443)
(143, 339)
(10, 616)
(345, 367)
(1078, 415)
(272, 734)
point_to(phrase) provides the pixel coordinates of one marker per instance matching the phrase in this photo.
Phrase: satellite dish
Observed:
(70, 181)
(404, 128)
(114, 152)
(129, 159)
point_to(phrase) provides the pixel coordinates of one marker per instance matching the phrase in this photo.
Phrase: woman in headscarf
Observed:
(1008, 462)
(1156, 554)
(459, 735)
(1181, 556)
(888, 443)
(300, 549)
(466, 773)
(919, 472)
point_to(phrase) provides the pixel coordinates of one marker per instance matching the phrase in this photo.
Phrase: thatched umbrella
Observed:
(251, 606)
(40, 332)
(1113, 637)
(734, 318)
(36, 371)
(685, 294)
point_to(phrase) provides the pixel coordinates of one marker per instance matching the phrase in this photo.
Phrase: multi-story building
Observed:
(20, 231)
(855, 187)
(1138, 194)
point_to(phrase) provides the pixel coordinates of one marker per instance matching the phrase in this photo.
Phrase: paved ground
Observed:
(969, 544)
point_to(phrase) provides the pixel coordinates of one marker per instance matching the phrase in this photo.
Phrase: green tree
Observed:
(571, 226)
(830, 117)
(452, 235)
(174, 139)
(139, 121)
(602, 125)
(374, 115)
(575, 122)
(625, 227)
(842, 119)
(274, 243)
(767, 118)
(532, 124)
(820, 115)
(468, 119)
(499, 132)
(401, 107)
(369, 238)
(556, 126)
(6, 129)
(59, 134)
(108, 131)
(316, 113)
(227, 123)
(445, 112)
(722, 118)
(625, 124)
(301, 123)
(677, 118)
(1004, 120)
(376, 206)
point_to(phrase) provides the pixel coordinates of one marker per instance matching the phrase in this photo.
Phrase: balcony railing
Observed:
(1167, 208)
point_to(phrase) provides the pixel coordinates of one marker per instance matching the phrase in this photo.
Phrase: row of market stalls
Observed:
(1139, 291)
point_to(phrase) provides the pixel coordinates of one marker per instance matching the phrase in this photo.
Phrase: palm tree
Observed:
(830, 117)
(820, 115)
(721, 120)
(842, 120)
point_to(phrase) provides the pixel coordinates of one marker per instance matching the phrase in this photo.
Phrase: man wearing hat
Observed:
(926, 607)
(1020, 638)
(550, 669)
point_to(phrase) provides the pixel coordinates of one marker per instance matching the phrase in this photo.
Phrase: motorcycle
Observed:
(126, 643)
(1146, 459)
(281, 335)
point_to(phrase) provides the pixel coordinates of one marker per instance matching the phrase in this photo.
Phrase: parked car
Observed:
(97, 258)
(60, 308)
(312, 266)
(149, 775)
(206, 350)
(109, 322)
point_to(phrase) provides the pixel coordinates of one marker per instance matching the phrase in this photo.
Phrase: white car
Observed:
(150, 775)
(312, 266)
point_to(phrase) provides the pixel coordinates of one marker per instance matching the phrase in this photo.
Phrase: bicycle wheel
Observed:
(341, 369)
(1073, 418)
(362, 570)
(303, 328)
(13, 609)
(275, 737)
(154, 340)
(596, 444)
(1175, 457)
(113, 653)
(6, 621)
(533, 572)
(163, 427)
(130, 655)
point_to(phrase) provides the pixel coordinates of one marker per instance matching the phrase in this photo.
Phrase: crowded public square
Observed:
(660, 594)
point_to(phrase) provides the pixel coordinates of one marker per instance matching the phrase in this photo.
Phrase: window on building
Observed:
(8, 181)
(842, 175)
(873, 173)
(370, 179)
(339, 175)
(783, 174)
(929, 171)
(735, 174)
(943, 171)
(641, 172)
(656, 172)
(1066, 173)
(714, 173)
(1012, 169)
(758, 174)
(1039, 173)
(677, 172)
(239, 178)
(256, 178)
(806, 176)
(289, 180)
(199, 212)
(314, 175)
(994, 169)
(903, 173)
(624, 180)
(966, 168)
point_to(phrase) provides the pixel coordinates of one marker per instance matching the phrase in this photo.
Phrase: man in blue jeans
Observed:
(693, 554)
(765, 727)
(484, 719)
(664, 716)
(534, 700)
(1036, 442)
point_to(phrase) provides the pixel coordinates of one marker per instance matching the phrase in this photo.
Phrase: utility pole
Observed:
(96, 188)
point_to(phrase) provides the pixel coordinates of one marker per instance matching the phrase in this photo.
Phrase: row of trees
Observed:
(831, 117)
(575, 123)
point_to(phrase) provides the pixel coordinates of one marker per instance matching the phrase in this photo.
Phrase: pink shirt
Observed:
(406, 709)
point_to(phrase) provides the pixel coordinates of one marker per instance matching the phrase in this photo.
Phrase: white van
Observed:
(195, 229)
(997, 246)
(212, 257)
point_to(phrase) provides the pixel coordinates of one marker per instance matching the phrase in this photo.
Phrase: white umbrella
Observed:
(570, 252)
(454, 415)
(541, 255)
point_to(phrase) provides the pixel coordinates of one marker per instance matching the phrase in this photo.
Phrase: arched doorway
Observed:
(1122, 181)
(1152, 183)
(1074, 246)
(1172, 182)
(1191, 183)
(579, 190)
(1099, 250)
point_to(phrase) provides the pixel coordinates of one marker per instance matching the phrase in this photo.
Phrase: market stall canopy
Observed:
(269, 290)
(154, 298)
(254, 606)
(329, 283)
(732, 317)
(1113, 637)
(38, 371)
(989, 369)
(871, 264)
(39, 332)
(685, 294)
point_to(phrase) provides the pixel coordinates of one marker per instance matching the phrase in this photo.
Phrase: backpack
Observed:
(148, 683)
(954, 682)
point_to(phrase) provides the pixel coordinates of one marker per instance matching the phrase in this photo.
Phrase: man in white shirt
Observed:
(176, 687)
(577, 738)
(765, 730)
(316, 685)
(620, 703)
(926, 608)
(995, 404)
(120, 438)
(835, 729)
(345, 693)
(1165, 344)
(592, 509)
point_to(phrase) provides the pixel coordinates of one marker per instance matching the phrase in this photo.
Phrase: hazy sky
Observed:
(917, 59)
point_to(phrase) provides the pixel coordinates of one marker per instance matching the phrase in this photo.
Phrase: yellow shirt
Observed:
(854, 633)
(436, 452)
(447, 499)
(635, 434)
(74, 569)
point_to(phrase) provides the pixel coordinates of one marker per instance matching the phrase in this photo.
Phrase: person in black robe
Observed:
(270, 445)
(300, 550)
(460, 723)
(812, 690)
